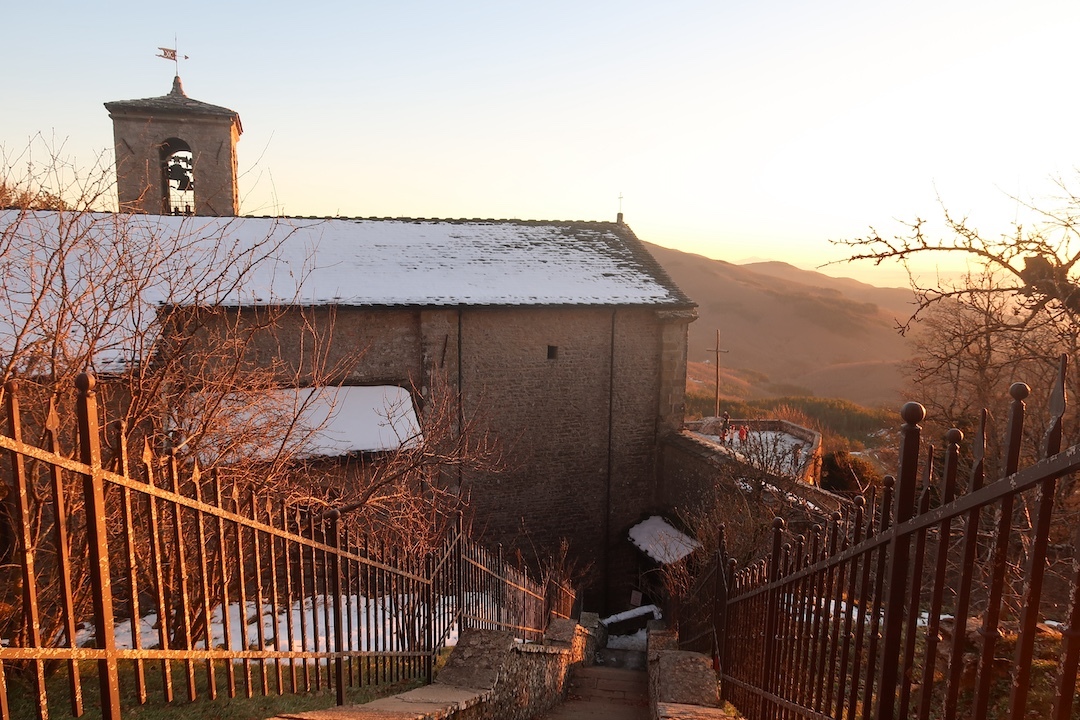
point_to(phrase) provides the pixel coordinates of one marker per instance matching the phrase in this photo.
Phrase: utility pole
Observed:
(716, 351)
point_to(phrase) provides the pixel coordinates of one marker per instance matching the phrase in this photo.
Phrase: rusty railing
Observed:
(151, 580)
(925, 602)
(498, 596)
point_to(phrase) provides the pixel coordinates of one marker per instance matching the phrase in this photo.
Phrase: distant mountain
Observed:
(791, 331)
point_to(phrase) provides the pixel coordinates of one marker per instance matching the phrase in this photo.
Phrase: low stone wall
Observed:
(523, 680)
(691, 464)
(811, 473)
(489, 676)
(682, 685)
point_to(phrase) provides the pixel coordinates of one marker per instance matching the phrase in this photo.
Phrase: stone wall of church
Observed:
(542, 380)
(576, 396)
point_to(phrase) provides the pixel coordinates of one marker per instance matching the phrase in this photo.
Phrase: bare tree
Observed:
(142, 302)
(413, 494)
(1009, 318)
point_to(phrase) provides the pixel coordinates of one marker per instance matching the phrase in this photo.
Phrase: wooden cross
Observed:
(716, 351)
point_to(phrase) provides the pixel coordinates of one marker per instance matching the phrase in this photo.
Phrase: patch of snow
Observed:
(371, 624)
(924, 618)
(635, 612)
(637, 641)
(655, 537)
(796, 500)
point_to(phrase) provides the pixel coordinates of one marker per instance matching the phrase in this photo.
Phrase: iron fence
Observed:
(925, 602)
(561, 599)
(500, 596)
(169, 578)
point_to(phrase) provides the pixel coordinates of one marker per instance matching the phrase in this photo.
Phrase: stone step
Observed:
(610, 684)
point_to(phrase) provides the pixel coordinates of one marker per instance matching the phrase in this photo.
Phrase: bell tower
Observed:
(175, 155)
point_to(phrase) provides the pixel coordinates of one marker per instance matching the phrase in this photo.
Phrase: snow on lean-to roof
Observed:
(655, 537)
(399, 262)
(355, 418)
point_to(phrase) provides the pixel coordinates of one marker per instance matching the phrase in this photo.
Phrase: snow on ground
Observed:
(370, 625)
(637, 641)
(747, 485)
(765, 448)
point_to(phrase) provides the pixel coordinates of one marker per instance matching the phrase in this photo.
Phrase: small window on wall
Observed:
(553, 352)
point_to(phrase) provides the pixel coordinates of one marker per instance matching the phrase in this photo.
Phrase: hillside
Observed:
(790, 331)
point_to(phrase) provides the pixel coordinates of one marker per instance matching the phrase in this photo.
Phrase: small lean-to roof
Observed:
(658, 539)
(175, 103)
(354, 419)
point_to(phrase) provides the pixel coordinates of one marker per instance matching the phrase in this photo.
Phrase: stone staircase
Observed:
(599, 683)
(616, 687)
(617, 658)
(605, 692)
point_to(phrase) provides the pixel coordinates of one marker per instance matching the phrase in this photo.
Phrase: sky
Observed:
(736, 130)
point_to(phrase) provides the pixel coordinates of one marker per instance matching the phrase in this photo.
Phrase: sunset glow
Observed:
(733, 130)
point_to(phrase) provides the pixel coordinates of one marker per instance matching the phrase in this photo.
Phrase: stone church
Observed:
(565, 340)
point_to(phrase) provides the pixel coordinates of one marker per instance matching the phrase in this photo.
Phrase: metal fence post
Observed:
(429, 636)
(896, 578)
(769, 666)
(459, 572)
(97, 546)
(720, 596)
(332, 518)
(524, 601)
(23, 490)
(549, 603)
(502, 592)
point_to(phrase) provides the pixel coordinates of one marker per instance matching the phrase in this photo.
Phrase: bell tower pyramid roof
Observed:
(175, 103)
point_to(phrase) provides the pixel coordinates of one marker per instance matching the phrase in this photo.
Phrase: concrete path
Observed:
(574, 709)
(598, 693)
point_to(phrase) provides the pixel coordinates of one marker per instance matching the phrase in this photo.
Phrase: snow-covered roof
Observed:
(401, 262)
(113, 271)
(655, 537)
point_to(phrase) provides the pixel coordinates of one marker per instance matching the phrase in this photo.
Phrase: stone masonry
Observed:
(581, 430)
(142, 127)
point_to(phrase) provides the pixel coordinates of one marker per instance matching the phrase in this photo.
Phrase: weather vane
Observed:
(172, 54)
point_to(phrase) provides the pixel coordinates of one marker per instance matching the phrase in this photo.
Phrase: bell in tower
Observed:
(175, 155)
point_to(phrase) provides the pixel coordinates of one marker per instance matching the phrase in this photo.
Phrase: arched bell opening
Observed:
(177, 178)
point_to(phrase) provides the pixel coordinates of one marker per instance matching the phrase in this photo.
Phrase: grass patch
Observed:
(382, 680)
